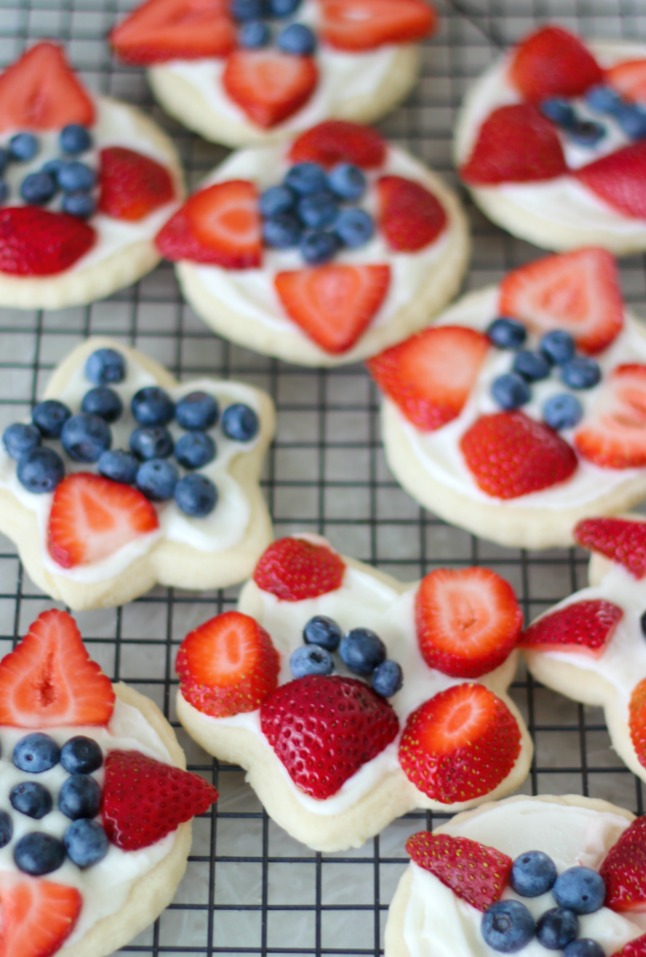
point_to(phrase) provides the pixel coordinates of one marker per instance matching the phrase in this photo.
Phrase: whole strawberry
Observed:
(294, 568)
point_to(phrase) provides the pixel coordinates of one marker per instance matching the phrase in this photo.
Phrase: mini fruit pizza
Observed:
(551, 141)
(249, 71)
(523, 409)
(322, 251)
(125, 478)
(529, 876)
(96, 807)
(85, 183)
(352, 698)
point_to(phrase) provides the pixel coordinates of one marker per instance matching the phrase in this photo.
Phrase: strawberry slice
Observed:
(460, 744)
(467, 621)
(619, 539)
(132, 185)
(624, 870)
(334, 304)
(634, 948)
(294, 569)
(637, 721)
(144, 799)
(339, 141)
(50, 680)
(325, 728)
(430, 376)
(219, 225)
(269, 86)
(162, 30)
(93, 517)
(369, 24)
(409, 214)
(476, 873)
(228, 665)
(35, 242)
(510, 455)
(37, 916)
(584, 626)
(614, 435)
(576, 291)
(629, 79)
(515, 144)
(619, 179)
(41, 92)
(553, 62)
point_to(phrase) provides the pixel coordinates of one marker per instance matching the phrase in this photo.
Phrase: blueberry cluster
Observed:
(361, 651)
(508, 924)
(630, 117)
(256, 19)
(556, 354)
(65, 175)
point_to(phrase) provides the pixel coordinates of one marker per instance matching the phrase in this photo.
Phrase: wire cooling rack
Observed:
(249, 888)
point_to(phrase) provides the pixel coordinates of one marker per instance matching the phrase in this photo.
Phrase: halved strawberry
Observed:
(339, 141)
(510, 455)
(269, 86)
(476, 873)
(36, 915)
(634, 948)
(219, 225)
(553, 62)
(293, 569)
(93, 517)
(637, 720)
(36, 242)
(410, 216)
(614, 434)
(368, 24)
(144, 799)
(619, 539)
(40, 91)
(333, 304)
(467, 621)
(430, 376)
(624, 870)
(162, 30)
(49, 679)
(583, 626)
(324, 728)
(576, 291)
(228, 665)
(515, 144)
(619, 179)
(460, 744)
(132, 185)
(629, 79)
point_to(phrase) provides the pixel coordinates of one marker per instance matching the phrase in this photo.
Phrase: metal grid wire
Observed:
(250, 889)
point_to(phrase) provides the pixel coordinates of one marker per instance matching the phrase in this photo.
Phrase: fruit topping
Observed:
(37, 242)
(624, 870)
(162, 30)
(510, 391)
(37, 916)
(613, 435)
(580, 889)
(269, 86)
(81, 755)
(118, 465)
(240, 422)
(297, 39)
(31, 799)
(369, 24)
(637, 718)
(387, 678)
(49, 417)
(197, 411)
(507, 926)
(629, 79)
(84, 437)
(338, 141)
(310, 660)
(532, 874)
(619, 179)
(103, 402)
(85, 842)
(562, 411)
(583, 626)
(80, 797)
(557, 927)
(322, 631)
(634, 948)
(581, 372)
(40, 470)
(19, 438)
(157, 479)
(105, 367)
(476, 873)
(196, 495)
(36, 753)
(410, 216)
(506, 333)
(361, 650)
(294, 569)
(132, 185)
(152, 405)
(619, 539)
(553, 62)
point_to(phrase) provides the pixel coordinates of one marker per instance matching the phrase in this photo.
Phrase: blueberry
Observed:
(86, 843)
(322, 631)
(157, 479)
(584, 947)
(38, 188)
(558, 110)
(562, 411)
(104, 402)
(81, 755)
(80, 796)
(6, 828)
(347, 181)
(362, 650)
(310, 660)
(354, 227)
(31, 799)
(36, 753)
(556, 928)
(254, 34)
(105, 367)
(49, 417)
(532, 366)
(151, 442)
(632, 119)
(587, 132)
(275, 200)
(306, 178)
(20, 438)
(40, 470)
(4, 191)
(510, 391)
(506, 333)
(507, 926)
(118, 465)
(580, 889)
(53, 167)
(76, 177)
(23, 147)
(297, 39)
(532, 874)
(81, 205)
(580, 372)
(195, 450)
(85, 437)
(74, 139)
(603, 99)
(387, 678)
(318, 210)
(243, 10)
(557, 345)
(283, 8)
(196, 495)
(38, 854)
(282, 231)
(197, 411)
(318, 247)
(240, 422)
(152, 406)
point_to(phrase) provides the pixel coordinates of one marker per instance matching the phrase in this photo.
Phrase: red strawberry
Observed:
(614, 435)
(619, 179)
(50, 680)
(269, 86)
(333, 304)
(35, 242)
(339, 141)
(460, 744)
(585, 626)
(577, 291)
(637, 720)
(624, 870)
(476, 873)
(219, 225)
(467, 621)
(430, 376)
(37, 916)
(553, 62)
(618, 539)
(132, 185)
(510, 455)
(41, 92)
(162, 30)
(629, 79)
(228, 665)
(409, 214)
(368, 24)
(325, 728)
(144, 799)
(293, 569)
(93, 517)
(634, 948)
(515, 144)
